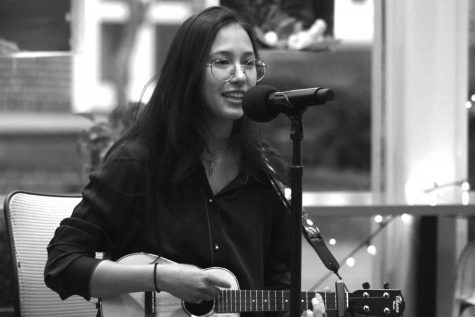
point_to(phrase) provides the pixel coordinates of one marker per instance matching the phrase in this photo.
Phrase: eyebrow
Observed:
(229, 53)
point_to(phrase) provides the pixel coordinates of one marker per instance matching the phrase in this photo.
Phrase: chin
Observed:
(235, 115)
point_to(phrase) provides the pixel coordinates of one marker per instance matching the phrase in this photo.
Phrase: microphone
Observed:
(263, 103)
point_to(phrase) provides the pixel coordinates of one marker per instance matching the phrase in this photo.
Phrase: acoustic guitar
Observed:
(230, 302)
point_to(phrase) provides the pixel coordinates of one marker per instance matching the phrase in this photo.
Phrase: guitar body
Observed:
(166, 305)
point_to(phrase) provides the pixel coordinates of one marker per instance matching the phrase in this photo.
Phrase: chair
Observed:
(464, 298)
(31, 219)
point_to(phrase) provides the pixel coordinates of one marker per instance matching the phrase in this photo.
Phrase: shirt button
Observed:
(216, 247)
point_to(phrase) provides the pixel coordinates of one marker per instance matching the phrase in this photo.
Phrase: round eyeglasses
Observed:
(223, 70)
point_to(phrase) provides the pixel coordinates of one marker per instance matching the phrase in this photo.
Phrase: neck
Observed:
(218, 138)
(231, 301)
(219, 127)
(215, 154)
(216, 145)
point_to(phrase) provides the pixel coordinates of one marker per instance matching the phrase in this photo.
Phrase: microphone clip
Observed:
(283, 105)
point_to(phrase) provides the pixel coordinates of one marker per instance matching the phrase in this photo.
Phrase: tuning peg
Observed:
(366, 285)
(386, 285)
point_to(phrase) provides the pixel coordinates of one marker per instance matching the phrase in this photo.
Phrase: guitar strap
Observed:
(310, 231)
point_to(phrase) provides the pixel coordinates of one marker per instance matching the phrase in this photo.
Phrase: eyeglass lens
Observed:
(223, 70)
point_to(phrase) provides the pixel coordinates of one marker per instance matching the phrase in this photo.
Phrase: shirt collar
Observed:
(247, 173)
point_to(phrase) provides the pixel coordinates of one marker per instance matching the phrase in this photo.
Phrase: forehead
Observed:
(233, 39)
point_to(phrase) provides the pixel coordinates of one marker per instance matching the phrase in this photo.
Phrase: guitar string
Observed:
(230, 296)
(229, 299)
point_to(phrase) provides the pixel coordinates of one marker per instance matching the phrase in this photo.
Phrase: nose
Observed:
(239, 75)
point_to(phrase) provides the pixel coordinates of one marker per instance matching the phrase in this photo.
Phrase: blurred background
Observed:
(385, 163)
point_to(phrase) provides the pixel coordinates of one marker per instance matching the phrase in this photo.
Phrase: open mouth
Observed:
(235, 95)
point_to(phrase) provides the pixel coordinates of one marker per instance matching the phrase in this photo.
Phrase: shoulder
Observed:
(268, 164)
(124, 168)
(136, 151)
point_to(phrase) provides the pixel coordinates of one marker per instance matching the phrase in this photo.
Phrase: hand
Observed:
(318, 308)
(189, 282)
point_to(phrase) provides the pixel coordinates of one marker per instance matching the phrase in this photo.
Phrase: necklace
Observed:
(214, 156)
(209, 166)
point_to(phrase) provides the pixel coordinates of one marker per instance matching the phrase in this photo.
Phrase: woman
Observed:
(188, 181)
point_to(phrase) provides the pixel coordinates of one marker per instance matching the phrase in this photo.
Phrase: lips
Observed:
(234, 94)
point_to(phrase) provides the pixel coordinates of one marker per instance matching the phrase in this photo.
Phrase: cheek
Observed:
(210, 94)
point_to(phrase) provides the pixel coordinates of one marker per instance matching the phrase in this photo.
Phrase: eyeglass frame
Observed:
(233, 72)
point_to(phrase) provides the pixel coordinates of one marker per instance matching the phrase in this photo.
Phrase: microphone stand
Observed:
(296, 174)
(295, 112)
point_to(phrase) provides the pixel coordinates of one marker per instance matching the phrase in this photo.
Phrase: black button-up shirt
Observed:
(243, 228)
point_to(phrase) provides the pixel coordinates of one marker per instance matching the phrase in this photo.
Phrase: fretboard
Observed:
(234, 301)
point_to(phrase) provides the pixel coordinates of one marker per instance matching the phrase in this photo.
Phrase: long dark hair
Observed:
(172, 123)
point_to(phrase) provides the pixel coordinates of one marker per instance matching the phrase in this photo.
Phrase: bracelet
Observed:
(155, 277)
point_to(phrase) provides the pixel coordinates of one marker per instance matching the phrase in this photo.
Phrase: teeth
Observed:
(234, 94)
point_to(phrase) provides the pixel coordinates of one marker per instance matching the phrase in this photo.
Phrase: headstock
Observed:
(377, 302)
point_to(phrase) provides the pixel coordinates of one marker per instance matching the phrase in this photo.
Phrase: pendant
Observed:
(210, 168)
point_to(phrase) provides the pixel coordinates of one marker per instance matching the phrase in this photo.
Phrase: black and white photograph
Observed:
(237, 158)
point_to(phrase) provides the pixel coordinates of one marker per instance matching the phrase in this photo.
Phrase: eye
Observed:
(250, 63)
(221, 63)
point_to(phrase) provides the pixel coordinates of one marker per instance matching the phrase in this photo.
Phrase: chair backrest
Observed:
(31, 219)
(464, 297)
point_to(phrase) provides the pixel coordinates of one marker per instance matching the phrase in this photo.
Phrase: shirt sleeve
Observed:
(103, 214)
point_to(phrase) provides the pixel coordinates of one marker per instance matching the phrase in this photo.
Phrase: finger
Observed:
(307, 313)
(318, 306)
(209, 295)
(218, 281)
(210, 292)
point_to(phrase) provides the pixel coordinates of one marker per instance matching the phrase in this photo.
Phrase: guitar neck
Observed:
(234, 301)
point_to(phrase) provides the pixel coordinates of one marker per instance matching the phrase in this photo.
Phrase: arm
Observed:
(187, 282)
(110, 219)
(106, 220)
(111, 278)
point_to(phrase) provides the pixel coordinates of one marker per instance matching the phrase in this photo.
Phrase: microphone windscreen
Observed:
(255, 103)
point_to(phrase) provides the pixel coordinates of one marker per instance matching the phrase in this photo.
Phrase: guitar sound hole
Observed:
(201, 309)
